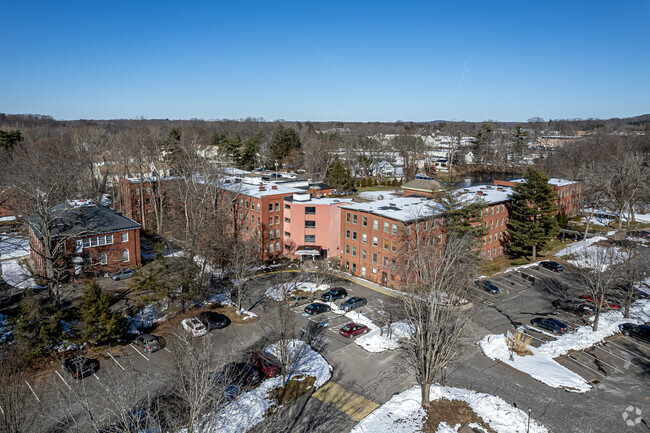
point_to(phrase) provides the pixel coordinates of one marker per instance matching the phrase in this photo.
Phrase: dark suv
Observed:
(488, 287)
(642, 332)
(335, 293)
(81, 367)
(316, 308)
(213, 320)
(553, 266)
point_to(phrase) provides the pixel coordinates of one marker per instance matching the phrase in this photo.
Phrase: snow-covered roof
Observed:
(324, 201)
(488, 193)
(260, 189)
(400, 208)
(552, 181)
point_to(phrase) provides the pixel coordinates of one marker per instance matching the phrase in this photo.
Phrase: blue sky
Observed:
(349, 60)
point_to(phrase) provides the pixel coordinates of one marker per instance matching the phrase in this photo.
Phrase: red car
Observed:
(606, 303)
(267, 364)
(353, 329)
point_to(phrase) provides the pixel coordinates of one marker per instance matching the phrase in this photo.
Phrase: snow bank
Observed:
(146, 317)
(538, 365)
(374, 341)
(223, 298)
(281, 291)
(579, 246)
(249, 409)
(6, 330)
(12, 250)
(403, 413)
(13, 247)
(583, 252)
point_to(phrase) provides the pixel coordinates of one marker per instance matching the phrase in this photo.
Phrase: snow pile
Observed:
(13, 247)
(378, 195)
(403, 413)
(145, 318)
(643, 286)
(249, 409)
(584, 336)
(281, 291)
(577, 247)
(380, 340)
(223, 298)
(538, 365)
(584, 254)
(6, 330)
(14, 273)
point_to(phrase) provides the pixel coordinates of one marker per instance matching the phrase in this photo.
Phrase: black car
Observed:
(353, 302)
(242, 374)
(81, 367)
(643, 234)
(213, 320)
(576, 306)
(642, 332)
(488, 287)
(316, 308)
(333, 294)
(553, 325)
(553, 266)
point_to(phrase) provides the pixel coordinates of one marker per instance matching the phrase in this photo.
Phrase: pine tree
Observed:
(38, 325)
(339, 177)
(533, 222)
(285, 140)
(463, 217)
(98, 324)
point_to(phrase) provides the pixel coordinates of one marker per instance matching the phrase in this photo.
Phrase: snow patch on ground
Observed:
(538, 365)
(249, 409)
(583, 251)
(281, 291)
(378, 195)
(6, 329)
(145, 318)
(579, 246)
(223, 298)
(13, 249)
(403, 413)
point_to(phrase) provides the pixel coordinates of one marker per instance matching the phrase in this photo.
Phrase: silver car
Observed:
(123, 274)
(353, 302)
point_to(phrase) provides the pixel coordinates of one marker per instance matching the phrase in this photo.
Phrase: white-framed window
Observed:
(310, 239)
(394, 229)
(258, 207)
(271, 246)
(125, 255)
(277, 233)
(374, 241)
(125, 237)
(96, 241)
(103, 259)
(277, 206)
(375, 224)
(364, 238)
(271, 234)
(277, 246)
(386, 227)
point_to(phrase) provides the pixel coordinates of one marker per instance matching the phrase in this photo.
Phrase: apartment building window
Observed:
(364, 221)
(347, 233)
(441, 222)
(393, 263)
(374, 257)
(287, 234)
(386, 227)
(489, 251)
(363, 271)
(94, 242)
(137, 191)
(347, 265)
(277, 219)
(354, 235)
(497, 207)
(271, 245)
(125, 237)
(385, 244)
(385, 261)
(277, 246)
(408, 229)
(354, 219)
(364, 238)
(271, 233)
(147, 201)
(375, 224)
(277, 206)
(500, 250)
(393, 246)
(270, 207)
(310, 224)
(347, 217)
(310, 239)
(258, 221)
(439, 239)
(494, 251)
(137, 214)
(354, 251)
(270, 221)
(374, 270)
(502, 207)
(363, 254)
(241, 202)
(252, 219)
(137, 202)
(277, 233)
(424, 225)
(103, 259)
(374, 241)
(287, 220)
(394, 229)
(125, 256)
(354, 268)
(347, 249)
(286, 206)
(484, 240)
(258, 207)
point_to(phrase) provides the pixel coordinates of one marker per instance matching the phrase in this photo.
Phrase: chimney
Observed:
(499, 189)
(479, 192)
(274, 187)
(262, 186)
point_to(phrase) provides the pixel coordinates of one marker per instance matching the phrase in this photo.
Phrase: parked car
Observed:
(213, 320)
(230, 389)
(242, 374)
(316, 308)
(553, 266)
(625, 243)
(642, 332)
(553, 325)
(488, 287)
(295, 301)
(606, 303)
(642, 234)
(80, 367)
(148, 342)
(353, 302)
(576, 306)
(333, 294)
(267, 364)
(124, 274)
(353, 329)
(194, 327)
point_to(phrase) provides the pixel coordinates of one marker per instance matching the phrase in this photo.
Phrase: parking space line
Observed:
(96, 377)
(585, 366)
(138, 352)
(600, 360)
(113, 358)
(636, 355)
(32, 390)
(2, 410)
(164, 348)
(66, 383)
(611, 353)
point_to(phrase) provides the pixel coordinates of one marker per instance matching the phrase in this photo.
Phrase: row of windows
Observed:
(103, 258)
(491, 252)
(375, 240)
(147, 201)
(493, 209)
(98, 241)
(274, 246)
(488, 239)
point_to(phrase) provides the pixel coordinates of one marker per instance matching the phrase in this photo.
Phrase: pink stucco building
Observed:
(312, 226)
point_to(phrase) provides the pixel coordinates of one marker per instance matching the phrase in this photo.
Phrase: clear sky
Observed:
(307, 60)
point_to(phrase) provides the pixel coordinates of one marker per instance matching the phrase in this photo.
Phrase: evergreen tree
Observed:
(98, 324)
(8, 139)
(520, 138)
(463, 216)
(38, 325)
(533, 222)
(249, 155)
(285, 140)
(482, 142)
(170, 149)
(339, 177)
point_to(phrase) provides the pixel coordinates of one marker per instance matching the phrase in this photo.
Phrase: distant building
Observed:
(569, 193)
(421, 187)
(91, 239)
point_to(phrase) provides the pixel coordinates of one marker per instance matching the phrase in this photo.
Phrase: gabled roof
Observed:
(79, 221)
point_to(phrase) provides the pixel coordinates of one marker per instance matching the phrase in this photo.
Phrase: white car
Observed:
(194, 327)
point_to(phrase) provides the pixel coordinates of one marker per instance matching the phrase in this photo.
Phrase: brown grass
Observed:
(292, 391)
(452, 412)
(521, 344)
(494, 266)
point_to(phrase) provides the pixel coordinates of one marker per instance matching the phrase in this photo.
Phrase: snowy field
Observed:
(584, 254)
(378, 195)
(542, 366)
(249, 409)
(12, 250)
(404, 414)
(282, 291)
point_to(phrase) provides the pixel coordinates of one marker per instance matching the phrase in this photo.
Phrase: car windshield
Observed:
(346, 328)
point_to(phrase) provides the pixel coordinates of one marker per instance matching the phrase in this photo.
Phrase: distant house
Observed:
(89, 238)
(383, 169)
(469, 157)
(421, 188)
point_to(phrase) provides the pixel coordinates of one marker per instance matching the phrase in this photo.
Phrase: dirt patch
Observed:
(230, 311)
(453, 412)
(292, 391)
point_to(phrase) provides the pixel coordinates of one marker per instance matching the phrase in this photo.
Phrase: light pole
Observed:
(528, 428)
(276, 169)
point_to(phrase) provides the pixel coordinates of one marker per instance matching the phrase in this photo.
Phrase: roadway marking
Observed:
(600, 360)
(636, 355)
(113, 358)
(353, 405)
(32, 390)
(96, 377)
(585, 366)
(138, 352)
(1, 410)
(66, 383)
(611, 353)
(164, 348)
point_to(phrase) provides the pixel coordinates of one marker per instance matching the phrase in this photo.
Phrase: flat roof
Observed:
(400, 208)
(488, 193)
(325, 201)
(552, 181)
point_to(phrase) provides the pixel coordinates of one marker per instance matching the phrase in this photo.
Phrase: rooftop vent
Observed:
(499, 189)
(262, 186)
(479, 192)
(301, 196)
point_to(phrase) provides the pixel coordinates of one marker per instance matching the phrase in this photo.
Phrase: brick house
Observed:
(569, 193)
(91, 239)
(137, 197)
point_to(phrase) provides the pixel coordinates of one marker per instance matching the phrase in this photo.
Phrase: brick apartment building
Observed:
(312, 226)
(569, 193)
(137, 196)
(92, 239)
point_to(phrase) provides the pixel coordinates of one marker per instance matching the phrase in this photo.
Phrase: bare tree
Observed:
(629, 179)
(410, 148)
(16, 402)
(596, 178)
(433, 280)
(629, 273)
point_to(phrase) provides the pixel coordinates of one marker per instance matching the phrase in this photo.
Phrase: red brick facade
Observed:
(569, 194)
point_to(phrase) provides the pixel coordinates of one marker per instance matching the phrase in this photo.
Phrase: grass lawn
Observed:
(377, 188)
(489, 267)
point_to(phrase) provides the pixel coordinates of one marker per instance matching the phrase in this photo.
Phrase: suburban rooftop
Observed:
(400, 208)
(553, 181)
